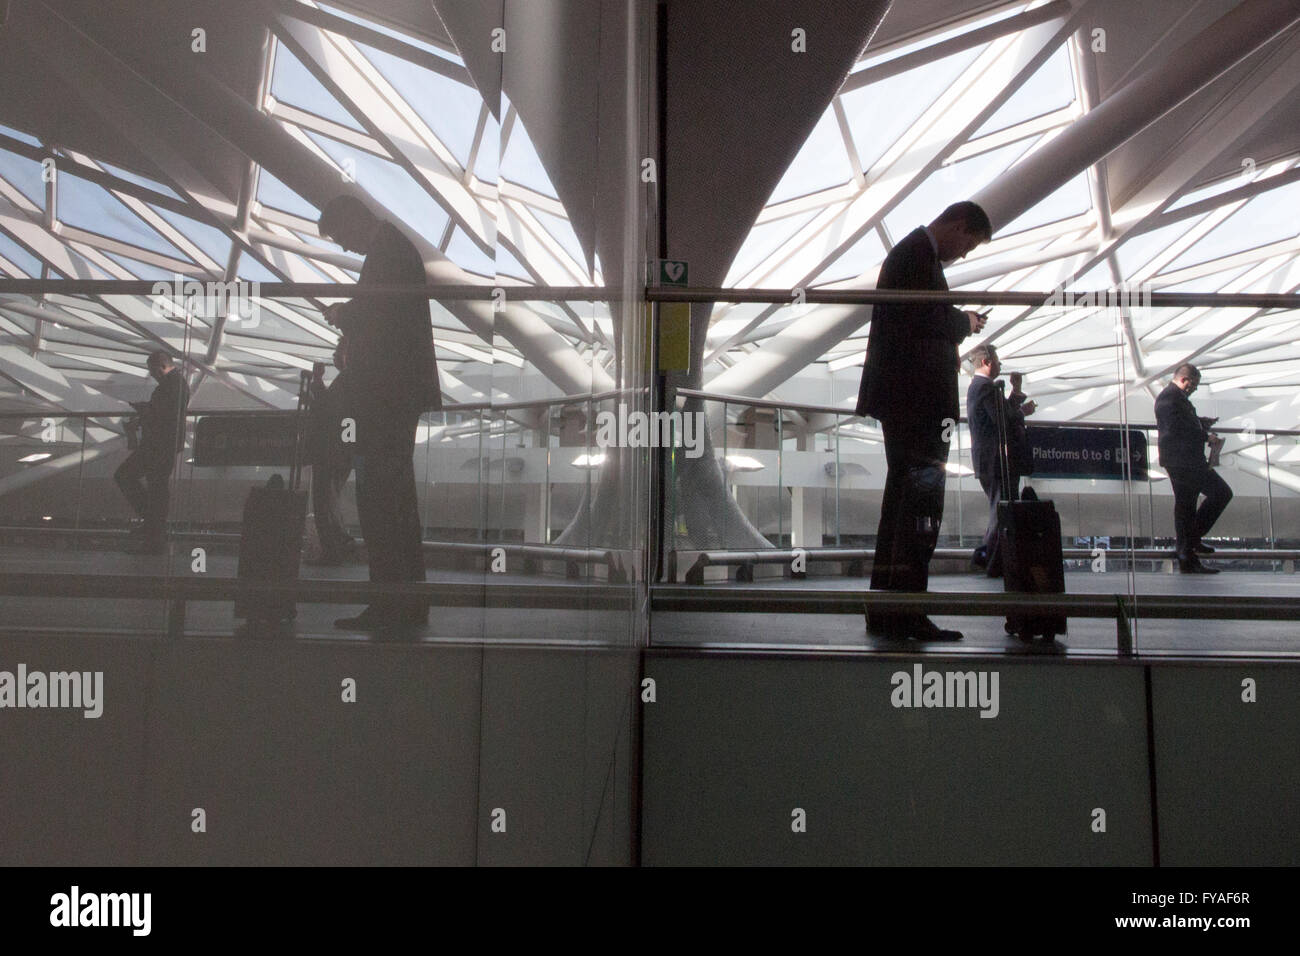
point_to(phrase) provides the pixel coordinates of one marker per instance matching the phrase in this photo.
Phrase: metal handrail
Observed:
(849, 413)
(768, 296)
(451, 407)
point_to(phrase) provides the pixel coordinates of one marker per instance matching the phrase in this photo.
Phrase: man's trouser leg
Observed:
(1217, 495)
(916, 456)
(144, 480)
(386, 503)
(130, 479)
(993, 493)
(1186, 484)
(158, 480)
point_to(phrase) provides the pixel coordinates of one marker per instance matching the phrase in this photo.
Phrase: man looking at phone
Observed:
(1183, 437)
(909, 383)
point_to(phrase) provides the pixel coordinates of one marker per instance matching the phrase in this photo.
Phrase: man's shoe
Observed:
(924, 629)
(1193, 565)
(368, 620)
(1202, 548)
(979, 558)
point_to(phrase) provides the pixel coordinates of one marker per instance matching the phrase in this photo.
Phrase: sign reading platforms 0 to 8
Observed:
(265, 439)
(1064, 452)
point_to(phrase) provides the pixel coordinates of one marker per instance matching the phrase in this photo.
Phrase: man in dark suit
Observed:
(394, 379)
(981, 412)
(1183, 436)
(145, 476)
(909, 383)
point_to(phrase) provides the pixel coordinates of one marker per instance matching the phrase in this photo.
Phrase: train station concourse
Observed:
(597, 296)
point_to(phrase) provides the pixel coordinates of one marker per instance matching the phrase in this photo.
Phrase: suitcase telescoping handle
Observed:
(300, 427)
(1005, 490)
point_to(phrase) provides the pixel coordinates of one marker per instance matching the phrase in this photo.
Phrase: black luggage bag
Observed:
(270, 541)
(1029, 547)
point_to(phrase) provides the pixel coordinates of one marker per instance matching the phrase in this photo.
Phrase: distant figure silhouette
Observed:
(145, 476)
(1182, 441)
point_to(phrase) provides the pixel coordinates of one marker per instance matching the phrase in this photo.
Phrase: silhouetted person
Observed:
(986, 456)
(330, 457)
(1183, 436)
(393, 378)
(145, 475)
(909, 383)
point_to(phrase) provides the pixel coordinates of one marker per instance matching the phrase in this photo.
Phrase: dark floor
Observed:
(694, 629)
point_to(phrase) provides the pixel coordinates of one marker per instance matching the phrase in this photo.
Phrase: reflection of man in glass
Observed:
(145, 475)
(1183, 437)
(330, 456)
(909, 383)
(393, 379)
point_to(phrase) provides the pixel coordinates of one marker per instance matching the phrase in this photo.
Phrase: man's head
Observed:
(159, 363)
(349, 222)
(1188, 377)
(985, 360)
(959, 229)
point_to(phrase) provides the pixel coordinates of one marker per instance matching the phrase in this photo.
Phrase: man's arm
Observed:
(912, 267)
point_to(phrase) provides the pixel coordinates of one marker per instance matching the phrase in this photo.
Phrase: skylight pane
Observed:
(862, 258)
(294, 84)
(20, 135)
(762, 241)
(1264, 219)
(271, 192)
(89, 206)
(1071, 199)
(1136, 252)
(24, 174)
(466, 253)
(821, 163)
(212, 241)
(952, 184)
(404, 37)
(1049, 89)
(522, 165)
(142, 270)
(880, 113)
(391, 185)
(131, 177)
(20, 257)
(450, 109)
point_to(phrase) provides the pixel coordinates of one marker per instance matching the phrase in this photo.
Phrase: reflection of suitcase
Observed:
(1029, 548)
(270, 541)
(270, 549)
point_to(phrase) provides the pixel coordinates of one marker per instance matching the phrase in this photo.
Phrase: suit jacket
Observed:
(981, 412)
(1182, 434)
(162, 420)
(390, 340)
(910, 375)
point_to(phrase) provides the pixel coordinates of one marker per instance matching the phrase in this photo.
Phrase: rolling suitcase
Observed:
(1029, 546)
(270, 540)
